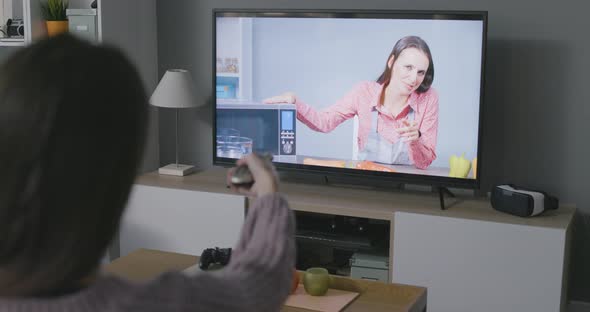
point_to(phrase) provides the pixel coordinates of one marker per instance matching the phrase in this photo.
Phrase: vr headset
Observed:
(521, 202)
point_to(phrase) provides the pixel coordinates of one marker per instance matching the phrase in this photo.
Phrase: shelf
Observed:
(4, 43)
(312, 196)
(233, 75)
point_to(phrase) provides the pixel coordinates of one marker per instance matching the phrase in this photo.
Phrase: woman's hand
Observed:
(287, 97)
(409, 132)
(263, 173)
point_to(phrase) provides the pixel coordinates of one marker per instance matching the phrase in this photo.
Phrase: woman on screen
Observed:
(397, 114)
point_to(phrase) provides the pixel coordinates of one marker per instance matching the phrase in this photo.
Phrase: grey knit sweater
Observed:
(257, 278)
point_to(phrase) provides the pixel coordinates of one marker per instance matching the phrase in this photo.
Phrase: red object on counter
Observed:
(369, 165)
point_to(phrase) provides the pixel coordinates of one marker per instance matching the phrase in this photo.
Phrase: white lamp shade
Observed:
(175, 90)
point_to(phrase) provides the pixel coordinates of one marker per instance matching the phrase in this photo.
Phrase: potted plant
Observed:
(54, 12)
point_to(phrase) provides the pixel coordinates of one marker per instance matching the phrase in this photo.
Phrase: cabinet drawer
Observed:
(180, 221)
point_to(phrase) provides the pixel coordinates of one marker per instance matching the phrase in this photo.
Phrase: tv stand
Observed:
(441, 192)
(346, 182)
(471, 251)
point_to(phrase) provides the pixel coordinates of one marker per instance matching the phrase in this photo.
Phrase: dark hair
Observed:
(405, 43)
(72, 128)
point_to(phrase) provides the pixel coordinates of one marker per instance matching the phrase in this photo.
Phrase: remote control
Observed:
(242, 175)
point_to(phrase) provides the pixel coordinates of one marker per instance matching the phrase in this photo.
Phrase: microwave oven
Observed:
(262, 128)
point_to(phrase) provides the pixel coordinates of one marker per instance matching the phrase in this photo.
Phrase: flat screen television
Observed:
(394, 95)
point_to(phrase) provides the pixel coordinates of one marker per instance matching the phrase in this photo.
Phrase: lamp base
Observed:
(176, 170)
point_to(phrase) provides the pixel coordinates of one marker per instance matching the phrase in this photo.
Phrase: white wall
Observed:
(10, 9)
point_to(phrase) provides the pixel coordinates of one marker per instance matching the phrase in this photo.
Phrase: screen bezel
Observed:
(384, 14)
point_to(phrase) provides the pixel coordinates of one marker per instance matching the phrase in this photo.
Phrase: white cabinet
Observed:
(470, 256)
(471, 265)
(179, 220)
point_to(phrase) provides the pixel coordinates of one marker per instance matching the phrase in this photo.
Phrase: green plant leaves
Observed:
(54, 10)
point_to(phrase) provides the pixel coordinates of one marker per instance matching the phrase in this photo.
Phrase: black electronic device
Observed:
(214, 255)
(520, 201)
(330, 241)
(324, 126)
(15, 28)
(342, 231)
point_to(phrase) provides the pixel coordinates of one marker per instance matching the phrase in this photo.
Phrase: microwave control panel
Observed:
(287, 132)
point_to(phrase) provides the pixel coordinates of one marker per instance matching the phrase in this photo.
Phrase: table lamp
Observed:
(175, 90)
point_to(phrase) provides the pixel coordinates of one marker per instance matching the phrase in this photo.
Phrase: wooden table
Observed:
(144, 264)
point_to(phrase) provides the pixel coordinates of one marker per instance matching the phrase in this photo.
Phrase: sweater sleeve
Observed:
(329, 118)
(257, 278)
(422, 151)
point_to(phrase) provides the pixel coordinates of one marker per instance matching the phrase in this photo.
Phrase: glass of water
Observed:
(233, 146)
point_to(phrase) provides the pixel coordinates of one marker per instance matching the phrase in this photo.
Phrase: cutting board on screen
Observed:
(333, 301)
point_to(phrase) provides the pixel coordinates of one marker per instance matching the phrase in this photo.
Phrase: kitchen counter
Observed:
(430, 171)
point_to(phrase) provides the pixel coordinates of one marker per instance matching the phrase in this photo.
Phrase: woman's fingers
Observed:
(274, 99)
(241, 161)
(402, 130)
(229, 174)
(409, 138)
(265, 178)
(254, 165)
(409, 132)
(405, 130)
(287, 97)
(408, 126)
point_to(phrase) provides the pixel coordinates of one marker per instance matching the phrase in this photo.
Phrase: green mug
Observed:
(316, 281)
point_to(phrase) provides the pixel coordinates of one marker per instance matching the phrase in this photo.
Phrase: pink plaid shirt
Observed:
(361, 100)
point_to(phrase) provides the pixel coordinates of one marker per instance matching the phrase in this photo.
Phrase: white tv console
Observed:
(470, 257)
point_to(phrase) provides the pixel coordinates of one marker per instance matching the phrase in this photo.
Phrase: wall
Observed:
(80, 4)
(5, 52)
(139, 42)
(10, 9)
(535, 130)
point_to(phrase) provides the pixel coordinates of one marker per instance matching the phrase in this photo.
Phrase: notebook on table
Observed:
(333, 301)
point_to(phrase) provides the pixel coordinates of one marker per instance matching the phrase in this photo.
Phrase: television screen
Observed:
(382, 93)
